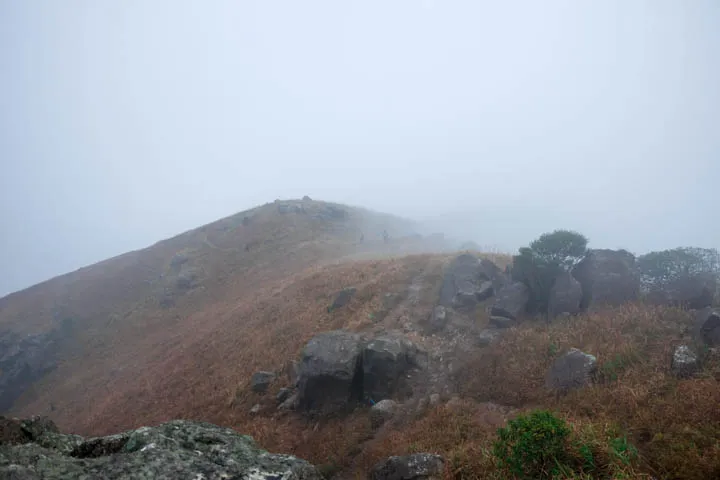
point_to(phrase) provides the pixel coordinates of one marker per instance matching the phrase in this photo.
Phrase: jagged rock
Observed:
(468, 281)
(187, 279)
(418, 466)
(607, 277)
(177, 449)
(382, 411)
(438, 320)
(330, 372)
(487, 336)
(687, 291)
(434, 400)
(573, 370)
(260, 381)
(511, 301)
(343, 298)
(255, 409)
(282, 395)
(502, 322)
(565, 295)
(707, 327)
(23, 361)
(384, 361)
(684, 362)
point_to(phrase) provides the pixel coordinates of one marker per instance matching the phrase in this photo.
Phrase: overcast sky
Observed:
(125, 122)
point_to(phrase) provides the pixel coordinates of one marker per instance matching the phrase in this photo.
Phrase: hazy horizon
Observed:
(125, 123)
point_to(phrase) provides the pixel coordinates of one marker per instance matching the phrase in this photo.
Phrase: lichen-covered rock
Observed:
(177, 449)
(418, 466)
(382, 411)
(573, 370)
(685, 362)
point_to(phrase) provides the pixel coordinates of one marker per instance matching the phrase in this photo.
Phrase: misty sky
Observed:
(125, 122)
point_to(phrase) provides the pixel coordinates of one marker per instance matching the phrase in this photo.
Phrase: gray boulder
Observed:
(343, 298)
(502, 322)
(330, 372)
(24, 359)
(382, 411)
(177, 449)
(707, 327)
(511, 301)
(573, 370)
(607, 277)
(685, 362)
(418, 466)
(260, 381)
(438, 320)
(487, 337)
(687, 291)
(384, 363)
(565, 295)
(468, 281)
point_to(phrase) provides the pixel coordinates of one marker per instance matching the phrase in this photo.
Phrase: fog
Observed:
(122, 123)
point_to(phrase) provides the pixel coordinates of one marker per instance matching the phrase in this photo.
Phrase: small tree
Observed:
(663, 267)
(540, 264)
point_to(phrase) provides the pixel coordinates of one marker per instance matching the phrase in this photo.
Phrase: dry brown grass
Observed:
(136, 364)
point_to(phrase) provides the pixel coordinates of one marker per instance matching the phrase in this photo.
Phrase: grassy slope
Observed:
(136, 363)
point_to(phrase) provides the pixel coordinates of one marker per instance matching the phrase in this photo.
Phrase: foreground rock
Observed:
(329, 376)
(685, 362)
(177, 449)
(23, 360)
(573, 370)
(419, 466)
(608, 277)
(511, 301)
(707, 327)
(565, 296)
(468, 281)
(384, 362)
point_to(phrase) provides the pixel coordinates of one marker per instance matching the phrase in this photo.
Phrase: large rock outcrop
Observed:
(468, 281)
(24, 360)
(330, 376)
(511, 301)
(384, 362)
(608, 277)
(565, 295)
(177, 449)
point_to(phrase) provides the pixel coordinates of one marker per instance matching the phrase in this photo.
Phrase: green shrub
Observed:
(533, 445)
(538, 265)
